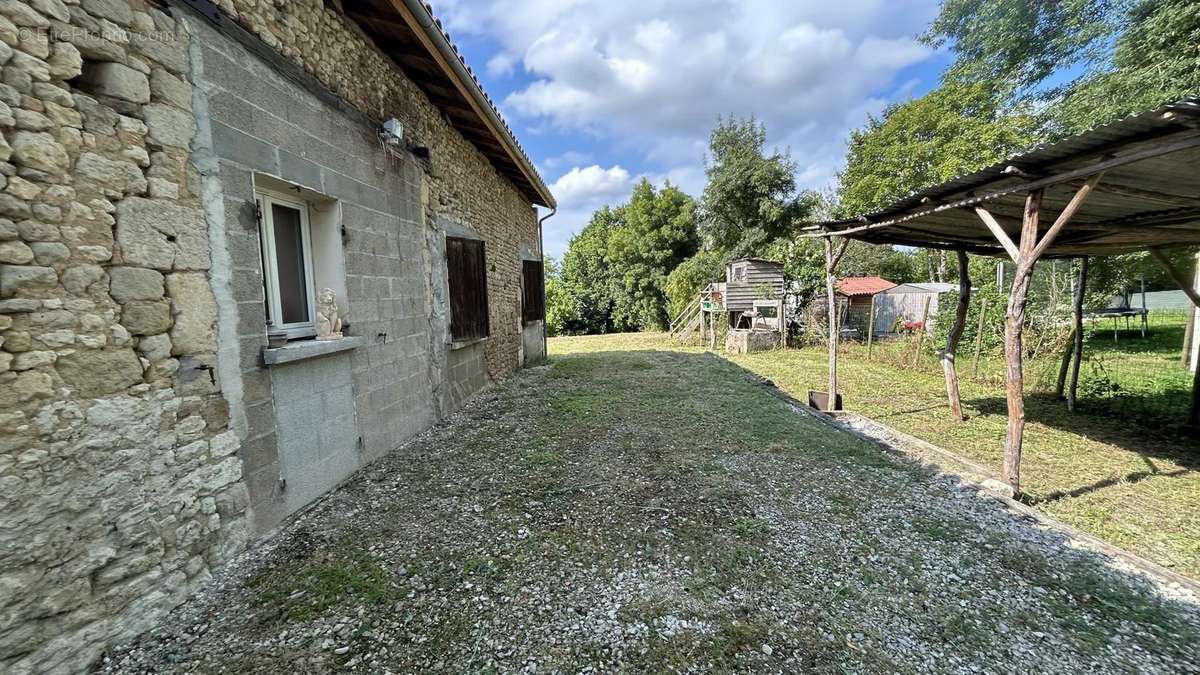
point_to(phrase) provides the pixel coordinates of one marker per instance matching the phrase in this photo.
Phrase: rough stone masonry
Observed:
(121, 477)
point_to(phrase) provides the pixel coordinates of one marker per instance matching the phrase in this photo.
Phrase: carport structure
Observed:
(1125, 187)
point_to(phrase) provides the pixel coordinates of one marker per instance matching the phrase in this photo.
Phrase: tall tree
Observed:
(952, 130)
(658, 233)
(1156, 60)
(587, 277)
(1130, 55)
(1013, 46)
(751, 199)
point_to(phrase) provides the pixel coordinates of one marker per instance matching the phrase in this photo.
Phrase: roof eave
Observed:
(450, 63)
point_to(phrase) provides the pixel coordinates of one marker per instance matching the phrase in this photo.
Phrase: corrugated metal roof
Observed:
(1151, 187)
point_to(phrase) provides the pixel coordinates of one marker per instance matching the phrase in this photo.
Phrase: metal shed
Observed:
(908, 303)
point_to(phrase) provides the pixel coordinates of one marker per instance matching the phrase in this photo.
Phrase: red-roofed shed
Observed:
(858, 292)
(864, 286)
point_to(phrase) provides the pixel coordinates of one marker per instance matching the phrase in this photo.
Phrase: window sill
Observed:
(310, 349)
(463, 344)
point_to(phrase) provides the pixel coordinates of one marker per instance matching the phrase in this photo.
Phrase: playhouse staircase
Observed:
(687, 321)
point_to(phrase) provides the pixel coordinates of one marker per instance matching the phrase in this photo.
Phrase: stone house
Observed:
(177, 179)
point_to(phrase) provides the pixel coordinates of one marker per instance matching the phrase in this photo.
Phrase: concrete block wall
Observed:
(264, 123)
(396, 211)
(461, 184)
(317, 427)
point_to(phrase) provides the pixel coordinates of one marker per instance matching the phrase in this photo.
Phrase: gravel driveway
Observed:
(661, 512)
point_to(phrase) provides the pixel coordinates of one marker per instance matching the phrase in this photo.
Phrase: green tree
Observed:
(587, 277)
(1156, 60)
(692, 275)
(750, 200)
(882, 261)
(658, 233)
(1013, 46)
(950, 131)
(1133, 55)
(559, 305)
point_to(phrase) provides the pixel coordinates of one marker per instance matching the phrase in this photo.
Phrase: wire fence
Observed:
(1125, 370)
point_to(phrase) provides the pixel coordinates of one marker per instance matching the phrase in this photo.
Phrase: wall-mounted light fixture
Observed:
(392, 132)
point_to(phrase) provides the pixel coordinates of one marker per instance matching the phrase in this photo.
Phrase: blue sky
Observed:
(602, 93)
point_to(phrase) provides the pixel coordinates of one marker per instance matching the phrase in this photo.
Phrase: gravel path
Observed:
(661, 512)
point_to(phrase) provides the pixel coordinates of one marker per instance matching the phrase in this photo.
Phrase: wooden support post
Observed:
(782, 321)
(1014, 326)
(1064, 368)
(1176, 275)
(1080, 290)
(956, 332)
(832, 258)
(983, 306)
(1028, 252)
(871, 329)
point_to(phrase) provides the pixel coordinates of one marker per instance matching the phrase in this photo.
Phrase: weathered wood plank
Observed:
(999, 233)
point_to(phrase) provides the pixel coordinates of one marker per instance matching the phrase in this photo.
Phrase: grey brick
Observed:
(236, 146)
(299, 170)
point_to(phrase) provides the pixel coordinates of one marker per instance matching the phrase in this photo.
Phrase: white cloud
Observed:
(502, 64)
(591, 183)
(649, 78)
(580, 192)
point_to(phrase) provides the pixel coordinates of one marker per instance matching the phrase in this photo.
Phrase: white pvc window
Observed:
(287, 265)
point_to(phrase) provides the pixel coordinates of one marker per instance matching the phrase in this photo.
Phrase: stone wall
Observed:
(130, 295)
(119, 480)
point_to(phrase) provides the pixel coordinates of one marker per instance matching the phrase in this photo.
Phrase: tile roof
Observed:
(863, 285)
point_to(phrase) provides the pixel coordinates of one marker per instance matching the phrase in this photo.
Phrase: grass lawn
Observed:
(633, 511)
(1118, 469)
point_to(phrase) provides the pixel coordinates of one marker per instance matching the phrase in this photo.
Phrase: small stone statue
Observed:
(329, 325)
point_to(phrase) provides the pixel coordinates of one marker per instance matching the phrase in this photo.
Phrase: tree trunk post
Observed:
(956, 332)
(1014, 326)
(1080, 290)
(832, 258)
(1193, 293)
(1064, 368)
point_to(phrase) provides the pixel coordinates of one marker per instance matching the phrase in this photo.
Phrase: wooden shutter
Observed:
(533, 306)
(466, 270)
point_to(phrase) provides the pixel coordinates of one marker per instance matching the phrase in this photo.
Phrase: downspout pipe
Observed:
(433, 30)
(542, 252)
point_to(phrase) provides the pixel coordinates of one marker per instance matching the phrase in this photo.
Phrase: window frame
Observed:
(485, 310)
(265, 199)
